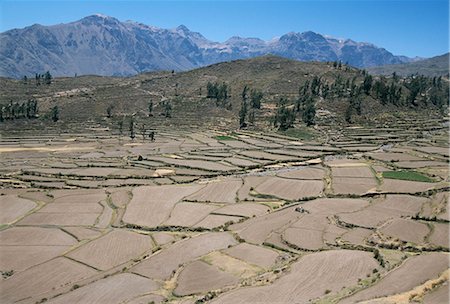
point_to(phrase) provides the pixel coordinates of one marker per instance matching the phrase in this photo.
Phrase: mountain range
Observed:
(103, 45)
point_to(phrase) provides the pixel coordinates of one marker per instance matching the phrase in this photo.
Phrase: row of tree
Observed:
(251, 101)
(45, 78)
(219, 92)
(145, 133)
(15, 110)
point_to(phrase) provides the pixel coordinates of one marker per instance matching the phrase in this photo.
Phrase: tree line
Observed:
(16, 110)
(39, 79)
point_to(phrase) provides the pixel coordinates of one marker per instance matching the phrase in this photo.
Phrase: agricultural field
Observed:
(211, 216)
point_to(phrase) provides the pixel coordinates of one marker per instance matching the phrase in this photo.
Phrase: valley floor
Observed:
(360, 215)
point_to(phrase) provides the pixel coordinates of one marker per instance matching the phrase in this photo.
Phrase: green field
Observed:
(300, 133)
(224, 137)
(407, 175)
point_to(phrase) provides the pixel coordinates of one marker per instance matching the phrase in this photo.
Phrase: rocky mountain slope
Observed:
(103, 45)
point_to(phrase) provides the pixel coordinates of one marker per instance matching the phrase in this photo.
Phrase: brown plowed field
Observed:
(161, 265)
(290, 189)
(115, 289)
(308, 279)
(43, 278)
(243, 209)
(13, 207)
(304, 238)
(413, 272)
(402, 186)
(108, 251)
(440, 235)
(353, 185)
(36, 236)
(357, 236)
(304, 173)
(406, 230)
(352, 172)
(218, 192)
(151, 206)
(199, 277)
(252, 254)
(187, 214)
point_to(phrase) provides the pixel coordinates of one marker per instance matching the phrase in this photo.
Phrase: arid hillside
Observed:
(341, 95)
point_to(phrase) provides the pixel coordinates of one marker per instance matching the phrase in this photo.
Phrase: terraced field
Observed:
(216, 217)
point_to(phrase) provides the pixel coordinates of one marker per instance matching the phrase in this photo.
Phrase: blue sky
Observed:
(404, 27)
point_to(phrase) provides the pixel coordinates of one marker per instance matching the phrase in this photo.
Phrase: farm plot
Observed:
(313, 231)
(32, 284)
(35, 236)
(13, 207)
(393, 156)
(83, 233)
(60, 219)
(437, 207)
(243, 209)
(150, 298)
(151, 206)
(421, 164)
(242, 162)
(231, 265)
(115, 289)
(250, 182)
(163, 238)
(260, 143)
(216, 220)
(434, 150)
(218, 192)
(353, 185)
(440, 235)
(23, 247)
(356, 236)
(161, 265)
(406, 230)
(187, 214)
(413, 272)
(199, 277)
(384, 209)
(290, 189)
(304, 173)
(36, 196)
(402, 186)
(295, 152)
(439, 295)
(256, 154)
(120, 197)
(303, 238)
(354, 171)
(108, 251)
(257, 230)
(79, 196)
(256, 255)
(198, 164)
(311, 277)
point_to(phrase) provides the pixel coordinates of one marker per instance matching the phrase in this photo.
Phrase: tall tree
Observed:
(150, 107)
(284, 117)
(367, 84)
(255, 99)
(132, 134)
(243, 114)
(48, 77)
(55, 114)
(309, 113)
